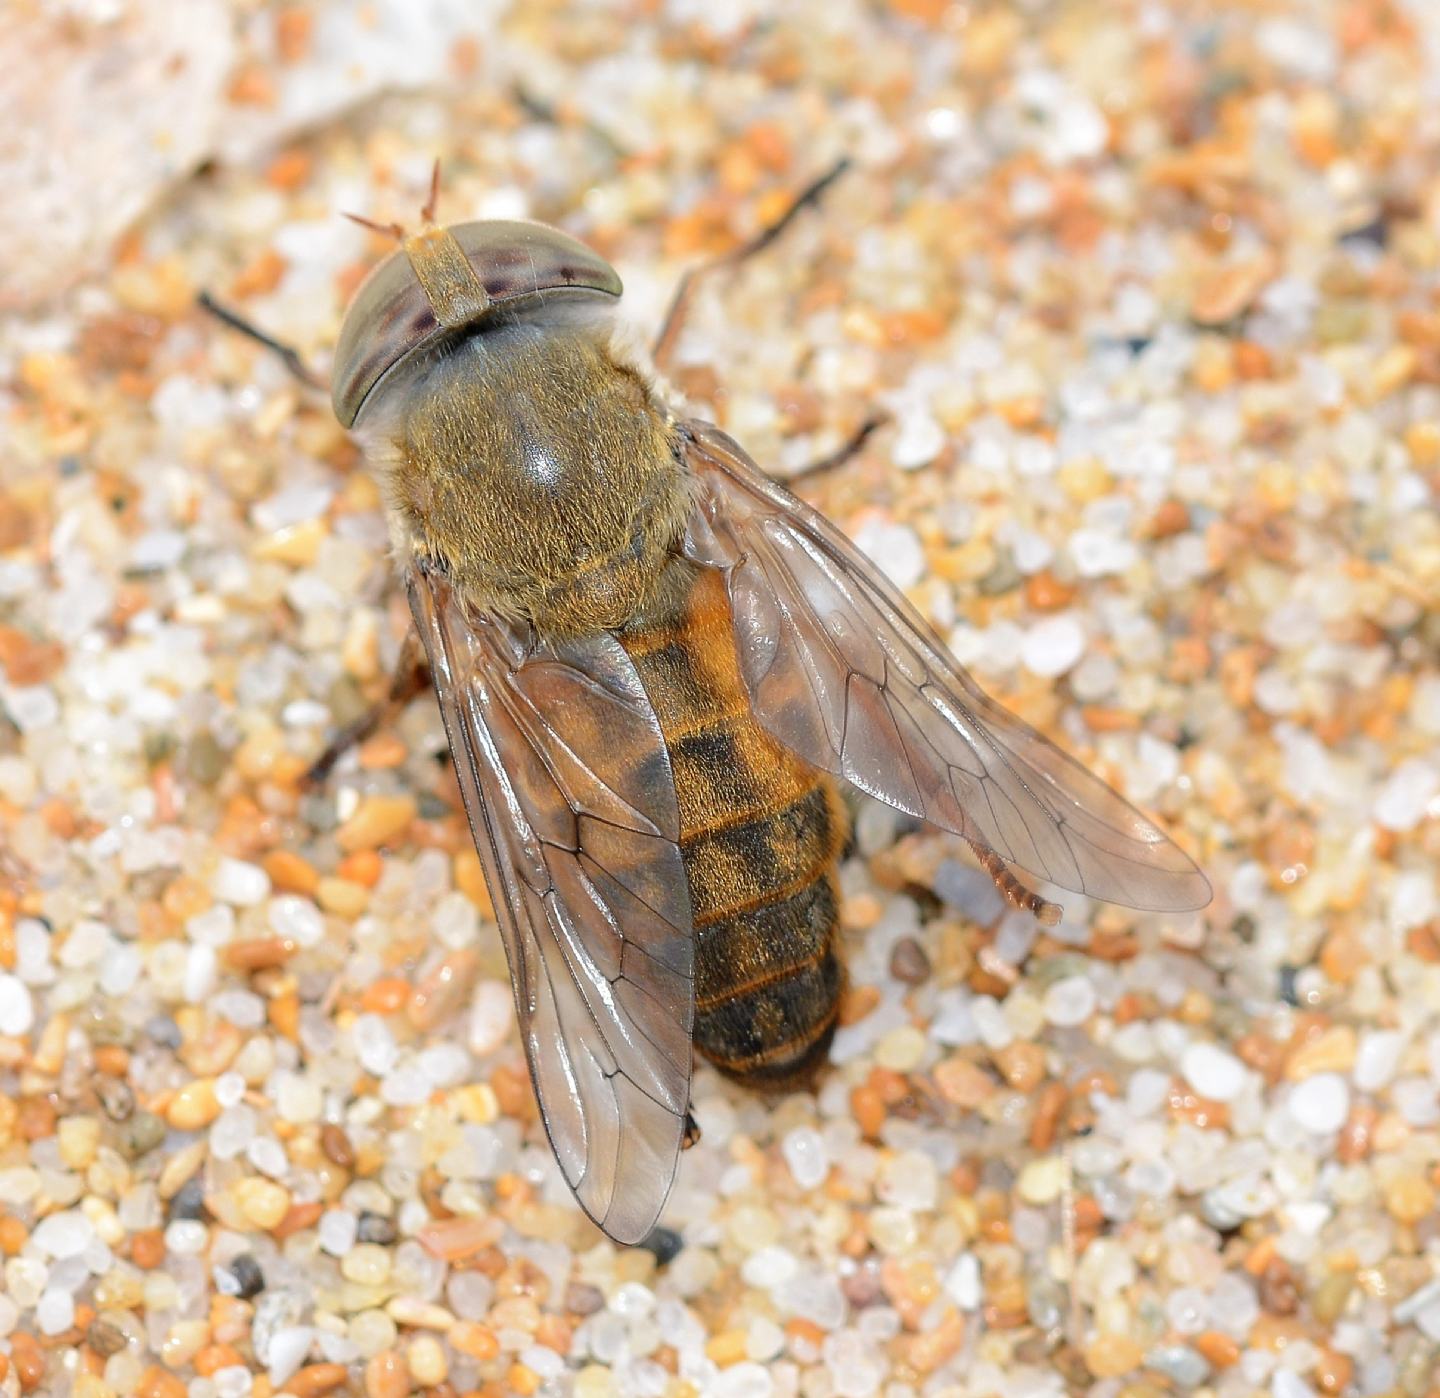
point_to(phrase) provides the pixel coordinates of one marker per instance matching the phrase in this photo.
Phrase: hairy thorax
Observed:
(541, 472)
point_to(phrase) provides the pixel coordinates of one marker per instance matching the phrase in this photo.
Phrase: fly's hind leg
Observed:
(691, 1136)
(684, 293)
(411, 677)
(1014, 892)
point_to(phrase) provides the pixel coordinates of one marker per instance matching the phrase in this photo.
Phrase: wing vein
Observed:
(606, 1035)
(925, 733)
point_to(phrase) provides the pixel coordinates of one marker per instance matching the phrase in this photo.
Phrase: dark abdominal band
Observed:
(768, 982)
(760, 836)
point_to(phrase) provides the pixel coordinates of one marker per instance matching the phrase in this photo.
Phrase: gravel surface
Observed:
(1149, 294)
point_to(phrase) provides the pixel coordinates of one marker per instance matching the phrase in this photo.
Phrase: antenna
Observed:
(427, 211)
(389, 230)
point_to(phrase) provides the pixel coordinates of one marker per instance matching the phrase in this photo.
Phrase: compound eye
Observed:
(391, 316)
(523, 259)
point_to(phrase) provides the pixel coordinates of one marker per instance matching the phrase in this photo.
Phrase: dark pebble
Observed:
(375, 1228)
(909, 962)
(116, 1098)
(862, 1287)
(141, 1134)
(249, 1279)
(159, 746)
(105, 1339)
(1286, 988)
(665, 1243)
(583, 1299)
(1003, 577)
(188, 1201)
(204, 759)
(1279, 1294)
(162, 1030)
(336, 1145)
(1375, 234)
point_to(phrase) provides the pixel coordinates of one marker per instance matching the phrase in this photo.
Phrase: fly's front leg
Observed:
(290, 357)
(846, 451)
(412, 670)
(680, 304)
(684, 293)
(411, 677)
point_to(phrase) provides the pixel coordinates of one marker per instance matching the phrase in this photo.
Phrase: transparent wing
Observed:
(847, 674)
(571, 801)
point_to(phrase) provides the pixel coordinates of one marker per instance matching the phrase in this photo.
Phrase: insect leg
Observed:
(289, 356)
(684, 293)
(846, 451)
(1015, 892)
(411, 677)
(540, 110)
(692, 1132)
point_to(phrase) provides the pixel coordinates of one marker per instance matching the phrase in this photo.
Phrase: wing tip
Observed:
(633, 1225)
(1201, 893)
(1177, 890)
(627, 1233)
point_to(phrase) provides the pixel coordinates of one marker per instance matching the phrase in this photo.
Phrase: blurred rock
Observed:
(343, 53)
(106, 106)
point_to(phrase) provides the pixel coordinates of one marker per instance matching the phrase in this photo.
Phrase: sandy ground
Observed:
(1148, 292)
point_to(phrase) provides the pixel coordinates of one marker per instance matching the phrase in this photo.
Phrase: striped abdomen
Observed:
(761, 832)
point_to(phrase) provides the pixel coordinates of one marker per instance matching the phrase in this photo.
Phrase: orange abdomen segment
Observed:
(761, 833)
